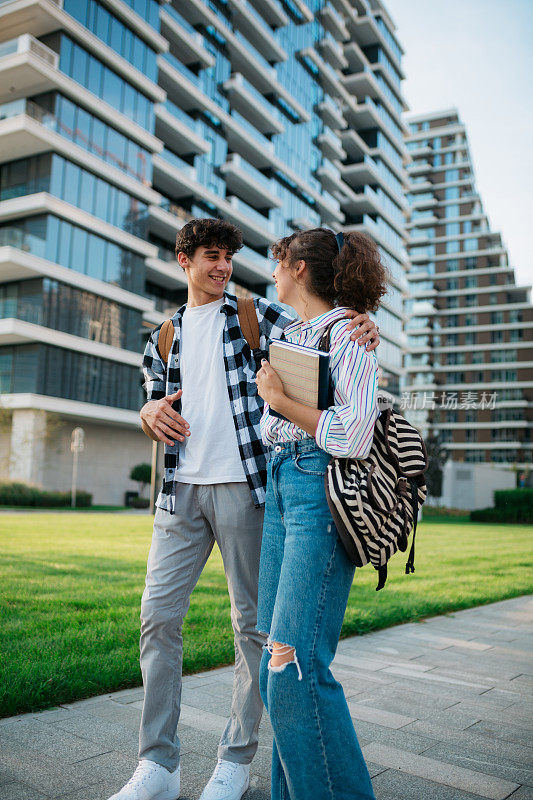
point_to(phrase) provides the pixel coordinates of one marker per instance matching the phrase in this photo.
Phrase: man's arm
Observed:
(273, 319)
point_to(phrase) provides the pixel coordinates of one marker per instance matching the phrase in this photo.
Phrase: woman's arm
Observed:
(345, 429)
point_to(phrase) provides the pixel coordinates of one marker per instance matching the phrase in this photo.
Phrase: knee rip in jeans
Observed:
(285, 654)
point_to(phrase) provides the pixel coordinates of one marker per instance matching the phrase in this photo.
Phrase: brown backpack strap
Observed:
(248, 322)
(164, 343)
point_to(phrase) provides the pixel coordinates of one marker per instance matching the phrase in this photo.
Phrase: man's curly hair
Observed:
(208, 233)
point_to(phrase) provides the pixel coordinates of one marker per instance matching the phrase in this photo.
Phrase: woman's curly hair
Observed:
(208, 233)
(353, 277)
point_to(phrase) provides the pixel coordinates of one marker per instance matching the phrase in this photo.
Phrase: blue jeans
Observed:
(304, 581)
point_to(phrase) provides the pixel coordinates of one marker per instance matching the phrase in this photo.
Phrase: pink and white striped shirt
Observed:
(345, 429)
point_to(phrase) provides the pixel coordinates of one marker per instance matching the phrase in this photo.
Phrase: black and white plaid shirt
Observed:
(246, 405)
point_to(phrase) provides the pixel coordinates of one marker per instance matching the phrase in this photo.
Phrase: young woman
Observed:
(305, 575)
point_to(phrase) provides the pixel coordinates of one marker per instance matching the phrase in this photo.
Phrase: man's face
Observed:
(209, 269)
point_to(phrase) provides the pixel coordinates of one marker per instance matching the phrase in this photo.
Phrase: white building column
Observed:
(28, 439)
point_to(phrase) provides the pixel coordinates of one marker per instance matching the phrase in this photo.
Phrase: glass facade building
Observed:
(122, 120)
(469, 365)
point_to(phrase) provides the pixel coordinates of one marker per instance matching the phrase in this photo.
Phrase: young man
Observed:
(204, 406)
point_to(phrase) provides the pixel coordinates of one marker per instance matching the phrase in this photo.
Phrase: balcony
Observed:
(369, 83)
(330, 114)
(332, 52)
(175, 177)
(252, 25)
(257, 229)
(249, 184)
(251, 104)
(424, 201)
(251, 267)
(28, 67)
(44, 203)
(184, 40)
(165, 271)
(16, 331)
(323, 73)
(178, 129)
(36, 18)
(334, 23)
(39, 17)
(244, 138)
(366, 31)
(330, 145)
(361, 172)
(418, 167)
(24, 67)
(245, 58)
(181, 84)
(330, 178)
(368, 114)
(272, 13)
(354, 144)
(166, 220)
(26, 129)
(357, 61)
(17, 262)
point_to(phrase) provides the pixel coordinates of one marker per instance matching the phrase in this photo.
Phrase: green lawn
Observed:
(70, 587)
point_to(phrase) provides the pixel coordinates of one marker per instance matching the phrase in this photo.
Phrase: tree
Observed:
(142, 473)
(437, 457)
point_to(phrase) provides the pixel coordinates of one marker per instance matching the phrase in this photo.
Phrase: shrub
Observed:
(140, 502)
(20, 494)
(501, 515)
(142, 473)
(514, 498)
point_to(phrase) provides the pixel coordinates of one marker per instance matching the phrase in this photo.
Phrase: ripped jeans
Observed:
(304, 582)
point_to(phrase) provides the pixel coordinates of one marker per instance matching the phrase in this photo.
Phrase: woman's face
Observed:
(285, 280)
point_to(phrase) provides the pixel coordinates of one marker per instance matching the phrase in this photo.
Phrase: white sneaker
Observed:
(229, 781)
(151, 781)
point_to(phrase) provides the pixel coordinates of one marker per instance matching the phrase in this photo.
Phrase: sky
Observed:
(477, 56)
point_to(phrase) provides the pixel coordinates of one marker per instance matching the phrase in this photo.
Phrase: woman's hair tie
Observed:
(340, 240)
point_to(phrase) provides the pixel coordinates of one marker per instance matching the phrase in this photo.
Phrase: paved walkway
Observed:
(441, 709)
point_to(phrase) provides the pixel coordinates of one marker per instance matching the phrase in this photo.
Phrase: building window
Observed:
(451, 193)
(451, 210)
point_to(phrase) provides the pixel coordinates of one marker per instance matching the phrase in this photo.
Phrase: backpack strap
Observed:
(410, 565)
(164, 343)
(324, 343)
(248, 322)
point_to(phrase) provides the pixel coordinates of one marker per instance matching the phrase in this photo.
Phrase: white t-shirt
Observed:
(210, 454)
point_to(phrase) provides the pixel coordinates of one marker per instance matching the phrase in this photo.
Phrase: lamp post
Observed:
(77, 443)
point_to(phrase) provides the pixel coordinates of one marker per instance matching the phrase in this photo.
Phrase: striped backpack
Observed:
(375, 500)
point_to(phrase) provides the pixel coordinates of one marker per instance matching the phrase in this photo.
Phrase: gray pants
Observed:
(181, 545)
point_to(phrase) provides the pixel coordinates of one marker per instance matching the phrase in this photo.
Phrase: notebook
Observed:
(304, 372)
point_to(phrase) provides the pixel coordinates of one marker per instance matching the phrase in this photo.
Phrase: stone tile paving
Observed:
(442, 709)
